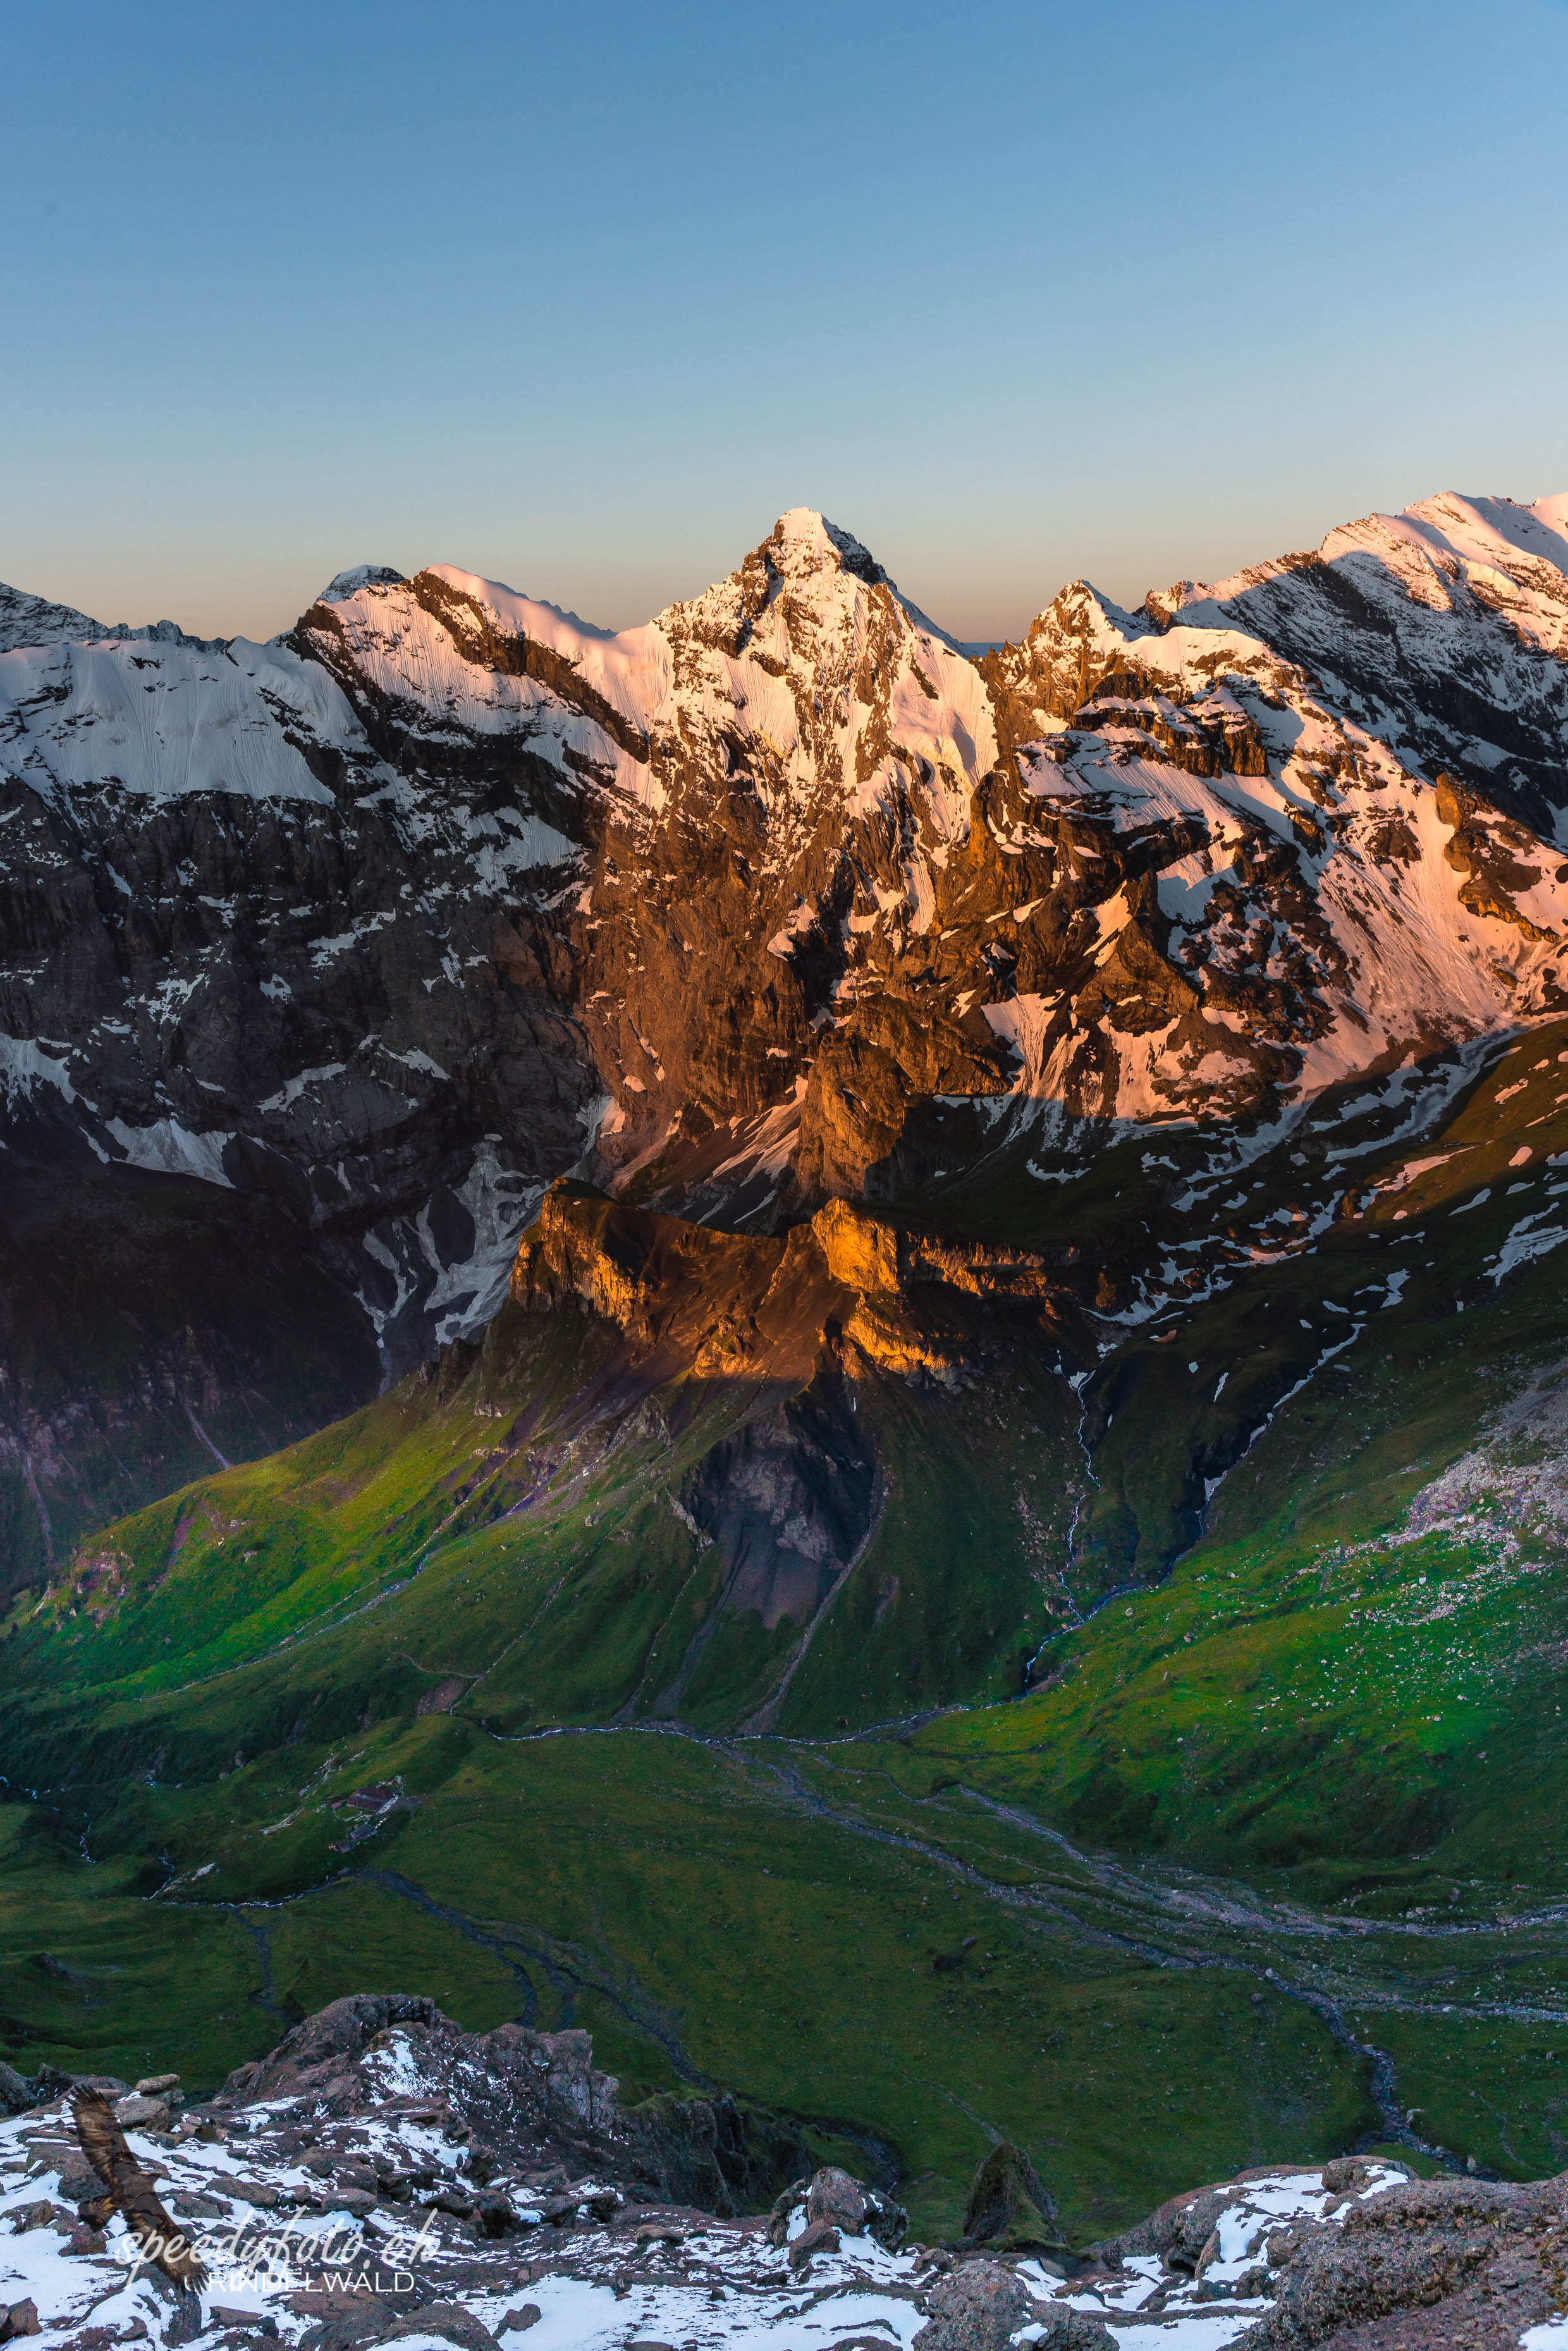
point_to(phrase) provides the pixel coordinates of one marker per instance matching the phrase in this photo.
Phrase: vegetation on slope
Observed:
(354, 1713)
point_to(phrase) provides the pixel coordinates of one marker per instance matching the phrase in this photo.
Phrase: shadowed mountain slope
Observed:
(961, 1266)
(778, 898)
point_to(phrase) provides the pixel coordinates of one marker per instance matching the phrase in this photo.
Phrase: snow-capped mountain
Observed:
(1442, 629)
(31, 620)
(779, 896)
(1360, 889)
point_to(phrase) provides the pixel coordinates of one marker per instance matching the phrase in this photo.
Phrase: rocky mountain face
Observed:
(376, 931)
(383, 2178)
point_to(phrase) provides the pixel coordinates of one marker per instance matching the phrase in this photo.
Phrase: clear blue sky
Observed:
(582, 297)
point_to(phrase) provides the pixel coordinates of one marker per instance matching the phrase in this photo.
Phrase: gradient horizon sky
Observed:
(582, 299)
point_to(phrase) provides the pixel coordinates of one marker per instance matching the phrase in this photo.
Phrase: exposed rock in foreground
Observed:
(514, 2101)
(384, 2177)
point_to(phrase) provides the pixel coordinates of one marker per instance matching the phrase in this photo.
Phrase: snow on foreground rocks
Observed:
(383, 2178)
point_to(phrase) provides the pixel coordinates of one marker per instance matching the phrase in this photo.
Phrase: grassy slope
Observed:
(556, 1578)
(699, 1918)
(1317, 1683)
(1294, 1705)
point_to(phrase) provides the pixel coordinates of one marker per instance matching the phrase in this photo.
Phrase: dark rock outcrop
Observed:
(1009, 2203)
(832, 2199)
(981, 2305)
(1436, 2263)
(324, 2048)
(524, 2102)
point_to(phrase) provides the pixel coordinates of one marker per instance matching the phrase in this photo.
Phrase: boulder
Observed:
(816, 2237)
(137, 2113)
(15, 2095)
(80, 2183)
(1072, 2330)
(978, 2307)
(17, 2319)
(448, 2320)
(1009, 2203)
(43, 2212)
(350, 2321)
(494, 2215)
(837, 2198)
(358, 2202)
(846, 2203)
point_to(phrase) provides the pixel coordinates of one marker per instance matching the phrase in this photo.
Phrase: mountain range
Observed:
(382, 927)
(762, 1242)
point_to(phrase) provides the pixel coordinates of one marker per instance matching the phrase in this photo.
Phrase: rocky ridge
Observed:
(384, 2177)
(778, 899)
(846, 1284)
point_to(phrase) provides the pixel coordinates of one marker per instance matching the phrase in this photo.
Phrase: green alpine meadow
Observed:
(816, 1379)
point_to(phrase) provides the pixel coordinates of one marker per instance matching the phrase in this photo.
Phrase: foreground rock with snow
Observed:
(384, 2177)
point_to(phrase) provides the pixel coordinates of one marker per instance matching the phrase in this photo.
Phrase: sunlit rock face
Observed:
(777, 899)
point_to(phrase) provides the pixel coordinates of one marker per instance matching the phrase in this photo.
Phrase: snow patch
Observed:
(166, 722)
(1530, 1239)
(167, 1148)
(24, 1067)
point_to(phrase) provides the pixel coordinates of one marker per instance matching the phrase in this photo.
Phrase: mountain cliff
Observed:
(376, 931)
(843, 1360)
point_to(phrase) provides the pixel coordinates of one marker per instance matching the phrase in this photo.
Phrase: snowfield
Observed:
(164, 721)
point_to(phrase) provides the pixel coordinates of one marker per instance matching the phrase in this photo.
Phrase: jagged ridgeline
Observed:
(949, 1266)
(357, 940)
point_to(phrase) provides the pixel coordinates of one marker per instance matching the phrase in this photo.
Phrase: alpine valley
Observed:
(845, 1355)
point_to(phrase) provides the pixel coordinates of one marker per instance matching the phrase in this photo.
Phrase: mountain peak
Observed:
(803, 541)
(361, 575)
(27, 620)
